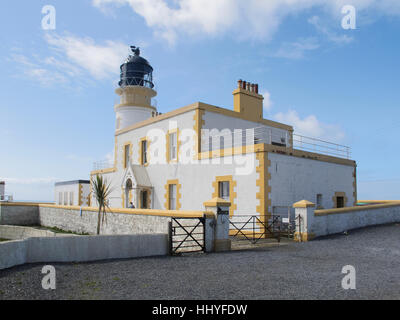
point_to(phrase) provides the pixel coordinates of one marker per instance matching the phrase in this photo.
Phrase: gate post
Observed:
(220, 209)
(304, 217)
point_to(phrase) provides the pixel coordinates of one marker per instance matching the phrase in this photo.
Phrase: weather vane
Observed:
(135, 50)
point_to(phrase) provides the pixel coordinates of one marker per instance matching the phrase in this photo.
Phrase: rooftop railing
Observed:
(103, 164)
(216, 140)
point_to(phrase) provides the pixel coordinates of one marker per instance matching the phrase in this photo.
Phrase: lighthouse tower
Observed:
(135, 91)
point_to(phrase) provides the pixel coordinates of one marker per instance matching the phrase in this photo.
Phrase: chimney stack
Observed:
(247, 100)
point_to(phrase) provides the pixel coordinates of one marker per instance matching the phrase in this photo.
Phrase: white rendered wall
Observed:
(294, 179)
(195, 179)
(75, 189)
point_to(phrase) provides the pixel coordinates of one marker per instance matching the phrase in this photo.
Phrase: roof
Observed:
(141, 176)
(62, 183)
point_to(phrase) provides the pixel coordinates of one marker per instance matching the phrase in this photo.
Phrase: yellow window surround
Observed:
(124, 153)
(168, 140)
(232, 193)
(178, 194)
(141, 151)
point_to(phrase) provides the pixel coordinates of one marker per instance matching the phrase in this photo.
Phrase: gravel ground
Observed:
(295, 271)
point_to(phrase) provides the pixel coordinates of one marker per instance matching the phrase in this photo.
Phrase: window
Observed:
(60, 199)
(143, 199)
(319, 200)
(127, 152)
(71, 198)
(173, 146)
(172, 197)
(340, 202)
(144, 152)
(65, 198)
(223, 187)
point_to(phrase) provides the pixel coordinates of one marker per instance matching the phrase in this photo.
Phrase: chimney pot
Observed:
(240, 83)
(256, 88)
(244, 84)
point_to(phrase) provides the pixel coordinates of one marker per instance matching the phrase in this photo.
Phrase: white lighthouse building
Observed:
(182, 158)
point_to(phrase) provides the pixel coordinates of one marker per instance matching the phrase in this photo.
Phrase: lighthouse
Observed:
(136, 89)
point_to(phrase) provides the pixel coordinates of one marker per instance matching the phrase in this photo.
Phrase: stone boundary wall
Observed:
(339, 220)
(316, 223)
(84, 220)
(19, 214)
(81, 248)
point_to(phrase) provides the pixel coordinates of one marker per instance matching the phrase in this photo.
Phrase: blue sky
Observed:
(57, 86)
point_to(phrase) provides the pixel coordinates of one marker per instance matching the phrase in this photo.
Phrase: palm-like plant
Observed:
(101, 191)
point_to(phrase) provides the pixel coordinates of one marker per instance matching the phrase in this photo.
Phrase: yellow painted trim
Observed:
(21, 204)
(178, 194)
(275, 149)
(167, 155)
(378, 201)
(80, 195)
(339, 194)
(128, 143)
(203, 107)
(147, 212)
(357, 208)
(304, 204)
(103, 171)
(123, 198)
(141, 151)
(216, 202)
(262, 182)
(198, 125)
(232, 193)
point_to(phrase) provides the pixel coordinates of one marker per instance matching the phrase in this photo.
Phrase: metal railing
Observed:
(253, 229)
(103, 164)
(321, 146)
(212, 140)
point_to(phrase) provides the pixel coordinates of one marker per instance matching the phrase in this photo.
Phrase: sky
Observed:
(329, 82)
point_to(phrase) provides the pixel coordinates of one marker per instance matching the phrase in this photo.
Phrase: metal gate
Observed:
(186, 235)
(253, 229)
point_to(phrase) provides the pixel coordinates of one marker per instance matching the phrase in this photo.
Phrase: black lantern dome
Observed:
(136, 71)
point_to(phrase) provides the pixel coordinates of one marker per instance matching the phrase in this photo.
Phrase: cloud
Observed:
(252, 19)
(101, 61)
(296, 50)
(267, 101)
(330, 35)
(310, 126)
(73, 59)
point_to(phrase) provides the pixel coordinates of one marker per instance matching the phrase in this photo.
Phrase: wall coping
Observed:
(22, 204)
(146, 212)
(379, 205)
